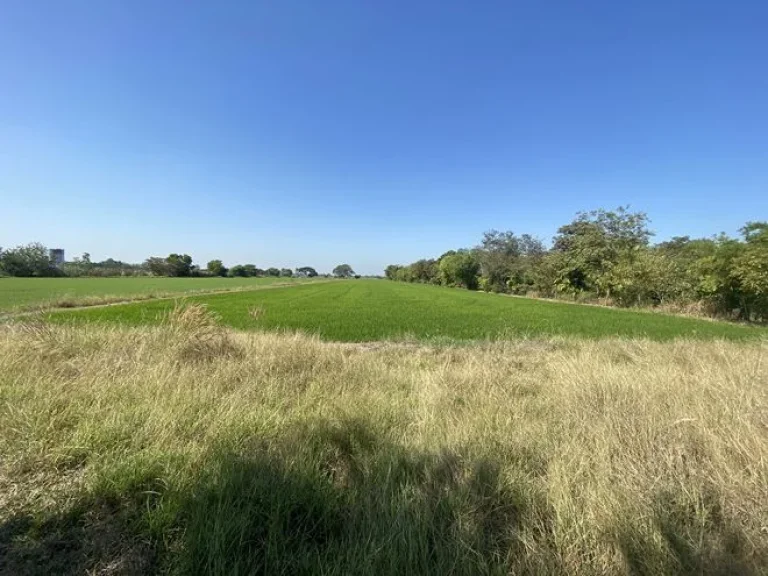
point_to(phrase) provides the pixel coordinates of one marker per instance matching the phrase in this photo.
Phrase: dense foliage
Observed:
(608, 255)
(30, 260)
(343, 271)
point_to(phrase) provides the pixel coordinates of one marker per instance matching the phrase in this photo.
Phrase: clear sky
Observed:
(314, 132)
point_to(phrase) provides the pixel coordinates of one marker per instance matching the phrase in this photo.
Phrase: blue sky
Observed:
(311, 133)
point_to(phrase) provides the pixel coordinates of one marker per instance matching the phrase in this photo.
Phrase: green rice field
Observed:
(26, 293)
(369, 310)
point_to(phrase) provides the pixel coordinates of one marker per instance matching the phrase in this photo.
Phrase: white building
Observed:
(57, 256)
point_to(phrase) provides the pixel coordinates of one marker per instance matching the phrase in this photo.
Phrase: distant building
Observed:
(57, 256)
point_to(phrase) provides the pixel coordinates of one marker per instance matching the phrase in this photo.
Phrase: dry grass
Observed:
(193, 449)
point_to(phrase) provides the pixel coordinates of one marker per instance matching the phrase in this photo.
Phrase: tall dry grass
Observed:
(192, 449)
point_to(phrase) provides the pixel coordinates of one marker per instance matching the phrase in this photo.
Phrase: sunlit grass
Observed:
(189, 448)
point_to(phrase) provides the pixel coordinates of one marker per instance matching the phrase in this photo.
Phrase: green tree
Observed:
(28, 260)
(405, 274)
(425, 271)
(179, 264)
(750, 271)
(273, 271)
(391, 271)
(216, 268)
(251, 270)
(237, 271)
(157, 266)
(506, 260)
(306, 272)
(343, 271)
(286, 272)
(460, 269)
(648, 278)
(595, 242)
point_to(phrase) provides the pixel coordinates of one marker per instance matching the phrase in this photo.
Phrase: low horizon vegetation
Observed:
(370, 310)
(189, 448)
(35, 260)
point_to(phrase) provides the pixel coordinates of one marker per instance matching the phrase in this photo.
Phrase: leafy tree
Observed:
(593, 243)
(425, 271)
(79, 266)
(648, 278)
(238, 271)
(506, 260)
(273, 271)
(157, 266)
(179, 264)
(286, 272)
(29, 260)
(251, 270)
(173, 265)
(460, 269)
(216, 268)
(306, 272)
(391, 271)
(343, 271)
(750, 271)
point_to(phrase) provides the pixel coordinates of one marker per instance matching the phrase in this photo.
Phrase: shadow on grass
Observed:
(335, 498)
(85, 538)
(693, 538)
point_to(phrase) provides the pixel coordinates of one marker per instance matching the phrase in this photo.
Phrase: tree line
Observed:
(34, 260)
(607, 255)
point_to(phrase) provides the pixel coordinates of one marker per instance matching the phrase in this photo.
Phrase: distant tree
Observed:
(405, 274)
(750, 271)
(216, 268)
(425, 271)
(78, 266)
(251, 270)
(647, 278)
(460, 269)
(306, 272)
(343, 271)
(286, 272)
(595, 242)
(238, 271)
(391, 271)
(506, 260)
(157, 266)
(179, 264)
(29, 260)
(273, 271)
(84, 262)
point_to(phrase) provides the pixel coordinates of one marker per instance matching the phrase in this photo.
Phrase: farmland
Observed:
(369, 310)
(31, 293)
